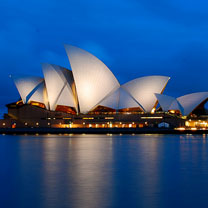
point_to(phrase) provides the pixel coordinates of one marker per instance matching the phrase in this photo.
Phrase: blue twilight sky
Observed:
(132, 37)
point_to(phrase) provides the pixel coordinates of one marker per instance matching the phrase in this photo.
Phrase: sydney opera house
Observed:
(90, 96)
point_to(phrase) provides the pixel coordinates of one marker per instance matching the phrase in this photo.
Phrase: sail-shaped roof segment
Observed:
(93, 79)
(185, 104)
(165, 101)
(26, 84)
(119, 99)
(126, 100)
(168, 103)
(40, 95)
(59, 82)
(31, 88)
(191, 101)
(111, 100)
(177, 106)
(143, 90)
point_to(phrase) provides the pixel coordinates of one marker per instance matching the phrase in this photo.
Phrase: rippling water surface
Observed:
(100, 171)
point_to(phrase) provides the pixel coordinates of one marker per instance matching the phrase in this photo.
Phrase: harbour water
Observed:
(103, 171)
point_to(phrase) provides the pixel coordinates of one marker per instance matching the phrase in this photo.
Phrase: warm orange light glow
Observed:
(109, 118)
(180, 128)
(132, 110)
(193, 129)
(157, 117)
(20, 102)
(41, 105)
(141, 125)
(153, 110)
(66, 109)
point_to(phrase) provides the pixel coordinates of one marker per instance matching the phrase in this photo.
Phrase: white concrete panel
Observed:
(111, 100)
(40, 95)
(191, 101)
(25, 85)
(93, 80)
(176, 106)
(58, 80)
(165, 101)
(119, 99)
(64, 97)
(143, 90)
(168, 103)
(126, 100)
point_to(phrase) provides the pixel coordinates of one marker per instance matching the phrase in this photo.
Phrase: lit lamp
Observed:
(153, 110)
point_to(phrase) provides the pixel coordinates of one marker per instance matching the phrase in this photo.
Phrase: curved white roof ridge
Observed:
(31, 88)
(143, 89)
(111, 100)
(168, 103)
(126, 100)
(165, 101)
(26, 84)
(93, 79)
(59, 81)
(119, 99)
(191, 101)
(40, 95)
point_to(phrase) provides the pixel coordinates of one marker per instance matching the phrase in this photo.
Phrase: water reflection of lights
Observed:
(90, 162)
(149, 160)
(90, 170)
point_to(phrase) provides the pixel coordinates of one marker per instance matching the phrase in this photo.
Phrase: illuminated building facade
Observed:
(90, 96)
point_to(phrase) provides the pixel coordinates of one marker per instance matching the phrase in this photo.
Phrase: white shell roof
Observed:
(93, 80)
(165, 101)
(31, 88)
(119, 99)
(143, 90)
(111, 100)
(126, 100)
(91, 83)
(40, 95)
(191, 101)
(168, 103)
(58, 84)
(177, 106)
(185, 104)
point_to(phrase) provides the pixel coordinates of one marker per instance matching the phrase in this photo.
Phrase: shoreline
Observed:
(99, 131)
